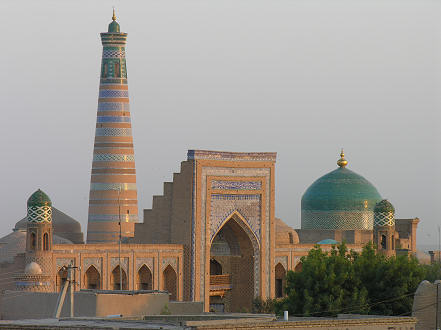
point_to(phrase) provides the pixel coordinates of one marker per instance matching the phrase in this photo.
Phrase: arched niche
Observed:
(145, 278)
(115, 282)
(92, 278)
(280, 276)
(170, 282)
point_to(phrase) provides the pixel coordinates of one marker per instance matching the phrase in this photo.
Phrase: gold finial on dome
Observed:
(342, 162)
(114, 16)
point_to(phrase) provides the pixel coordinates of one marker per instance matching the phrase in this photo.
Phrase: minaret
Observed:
(113, 194)
(37, 274)
(384, 227)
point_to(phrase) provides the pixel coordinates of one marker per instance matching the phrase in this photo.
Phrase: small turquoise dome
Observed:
(384, 206)
(39, 208)
(39, 198)
(113, 26)
(341, 199)
(328, 241)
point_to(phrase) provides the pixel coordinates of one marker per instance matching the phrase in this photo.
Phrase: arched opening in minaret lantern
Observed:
(46, 241)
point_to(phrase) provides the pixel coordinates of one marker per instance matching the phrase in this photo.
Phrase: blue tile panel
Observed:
(113, 217)
(113, 93)
(113, 119)
(236, 185)
(113, 131)
(113, 158)
(112, 186)
(113, 106)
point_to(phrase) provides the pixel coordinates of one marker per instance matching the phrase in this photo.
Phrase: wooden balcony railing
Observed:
(219, 284)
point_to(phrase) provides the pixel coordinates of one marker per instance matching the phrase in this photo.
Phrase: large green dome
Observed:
(341, 199)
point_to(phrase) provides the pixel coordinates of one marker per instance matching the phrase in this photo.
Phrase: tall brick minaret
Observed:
(113, 194)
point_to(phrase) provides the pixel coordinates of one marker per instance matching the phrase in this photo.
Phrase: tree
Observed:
(390, 282)
(326, 285)
(433, 272)
(342, 281)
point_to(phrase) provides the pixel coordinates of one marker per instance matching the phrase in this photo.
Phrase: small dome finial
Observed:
(342, 162)
(114, 16)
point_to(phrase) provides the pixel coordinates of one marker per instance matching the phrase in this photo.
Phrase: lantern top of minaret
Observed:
(113, 26)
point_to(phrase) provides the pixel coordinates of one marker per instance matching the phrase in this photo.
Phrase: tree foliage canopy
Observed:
(342, 281)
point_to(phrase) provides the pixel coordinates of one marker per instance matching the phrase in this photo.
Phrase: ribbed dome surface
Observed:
(113, 27)
(384, 206)
(341, 199)
(39, 198)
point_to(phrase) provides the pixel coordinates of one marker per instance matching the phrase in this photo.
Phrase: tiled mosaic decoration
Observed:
(112, 186)
(384, 219)
(236, 185)
(223, 205)
(113, 106)
(113, 93)
(113, 158)
(113, 119)
(347, 220)
(113, 131)
(40, 214)
(114, 53)
(148, 261)
(113, 217)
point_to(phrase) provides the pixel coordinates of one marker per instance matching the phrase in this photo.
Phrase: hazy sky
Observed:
(301, 78)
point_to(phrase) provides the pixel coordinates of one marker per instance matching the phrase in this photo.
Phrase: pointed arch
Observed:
(145, 278)
(241, 221)
(115, 282)
(298, 267)
(45, 241)
(280, 276)
(33, 241)
(240, 277)
(92, 278)
(170, 281)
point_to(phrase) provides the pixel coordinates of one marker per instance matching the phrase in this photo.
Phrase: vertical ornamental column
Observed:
(113, 194)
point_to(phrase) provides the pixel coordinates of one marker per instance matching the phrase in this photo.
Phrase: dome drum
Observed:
(384, 214)
(343, 220)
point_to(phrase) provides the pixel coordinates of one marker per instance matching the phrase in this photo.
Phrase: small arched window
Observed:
(291, 240)
(383, 242)
(105, 70)
(33, 241)
(117, 70)
(45, 242)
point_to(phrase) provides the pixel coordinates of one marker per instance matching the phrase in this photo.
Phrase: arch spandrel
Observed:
(243, 223)
(142, 265)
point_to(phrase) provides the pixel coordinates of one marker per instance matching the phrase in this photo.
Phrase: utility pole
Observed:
(69, 283)
(437, 307)
(120, 225)
(439, 245)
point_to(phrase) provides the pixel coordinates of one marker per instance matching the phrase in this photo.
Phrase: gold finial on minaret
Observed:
(114, 16)
(342, 162)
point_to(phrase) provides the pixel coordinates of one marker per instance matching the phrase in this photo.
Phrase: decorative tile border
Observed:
(113, 158)
(113, 131)
(39, 214)
(112, 186)
(236, 185)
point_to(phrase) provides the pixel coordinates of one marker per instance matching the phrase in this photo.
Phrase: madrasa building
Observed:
(212, 236)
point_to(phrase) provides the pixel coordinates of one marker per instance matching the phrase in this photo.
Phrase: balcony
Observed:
(220, 284)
